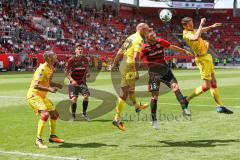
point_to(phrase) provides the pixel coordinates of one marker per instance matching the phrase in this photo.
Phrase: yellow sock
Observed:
(53, 124)
(41, 125)
(134, 100)
(215, 94)
(197, 92)
(119, 108)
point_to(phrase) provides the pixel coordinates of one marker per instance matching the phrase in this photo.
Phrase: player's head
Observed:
(151, 37)
(79, 49)
(50, 57)
(187, 23)
(142, 29)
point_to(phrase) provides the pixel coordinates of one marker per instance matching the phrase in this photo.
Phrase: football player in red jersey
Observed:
(76, 71)
(153, 54)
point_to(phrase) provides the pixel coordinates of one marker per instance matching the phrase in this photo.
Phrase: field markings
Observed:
(24, 154)
(60, 98)
(98, 100)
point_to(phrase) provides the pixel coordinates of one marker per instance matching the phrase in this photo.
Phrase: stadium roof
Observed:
(219, 4)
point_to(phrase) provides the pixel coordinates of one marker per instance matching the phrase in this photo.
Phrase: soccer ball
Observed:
(165, 15)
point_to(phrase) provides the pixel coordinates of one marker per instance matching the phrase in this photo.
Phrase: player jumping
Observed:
(203, 60)
(76, 71)
(153, 55)
(128, 56)
(37, 98)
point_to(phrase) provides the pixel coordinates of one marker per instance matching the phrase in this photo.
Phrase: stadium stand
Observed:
(30, 27)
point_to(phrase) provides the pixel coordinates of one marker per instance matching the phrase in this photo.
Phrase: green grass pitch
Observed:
(207, 136)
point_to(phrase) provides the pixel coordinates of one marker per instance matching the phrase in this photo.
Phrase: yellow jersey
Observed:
(43, 75)
(199, 47)
(131, 45)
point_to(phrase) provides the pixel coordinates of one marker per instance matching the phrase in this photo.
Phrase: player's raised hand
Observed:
(53, 89)
(203, 20)
(217, 25)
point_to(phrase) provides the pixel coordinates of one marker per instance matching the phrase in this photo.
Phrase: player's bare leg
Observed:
(53, 123)
(44, 115)
(199, 90)
(215, 93)
(212, 85)
(74, 107)
(119, 108)
(85, 106)
(181, 99)
(153, 105)
(138, 106)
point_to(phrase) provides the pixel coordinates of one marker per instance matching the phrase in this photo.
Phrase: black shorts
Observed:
(74, 90)
(160, 74)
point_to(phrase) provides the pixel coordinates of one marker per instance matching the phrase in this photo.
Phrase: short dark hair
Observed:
(185, 20)
(151, 29)
(78, 45)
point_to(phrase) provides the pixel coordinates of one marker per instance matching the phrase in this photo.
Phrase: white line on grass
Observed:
(23, 154)
(57, 98)
(13, 97)
(97, 100)
(54, 98)
(21, 97)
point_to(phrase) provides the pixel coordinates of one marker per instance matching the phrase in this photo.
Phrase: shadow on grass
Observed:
(195, 143)
(83, 145)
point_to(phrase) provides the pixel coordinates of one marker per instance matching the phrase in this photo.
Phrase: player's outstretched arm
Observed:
(179, 50)
(68, 75)
(205, 29)
(198, 34)
(57, 85)
(42, 88)
(88, 70)
(137, 60)
(138, 47)
(117, 58)
(67, 71)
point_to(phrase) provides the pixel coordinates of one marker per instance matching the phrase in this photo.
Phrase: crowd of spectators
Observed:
(34, 26)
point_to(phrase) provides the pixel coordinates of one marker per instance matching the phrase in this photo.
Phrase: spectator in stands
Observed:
(98, 31)
(11, 63)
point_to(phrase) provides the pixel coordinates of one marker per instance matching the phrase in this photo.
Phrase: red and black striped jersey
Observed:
(78, 67)
(154, 54)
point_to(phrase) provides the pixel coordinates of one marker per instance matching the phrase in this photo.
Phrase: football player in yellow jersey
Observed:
(203, 60)
(128, 56)
(37, 98)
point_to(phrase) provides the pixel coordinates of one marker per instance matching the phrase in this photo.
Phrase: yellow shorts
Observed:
(206, 67)
(128, 75)
(38, 103)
